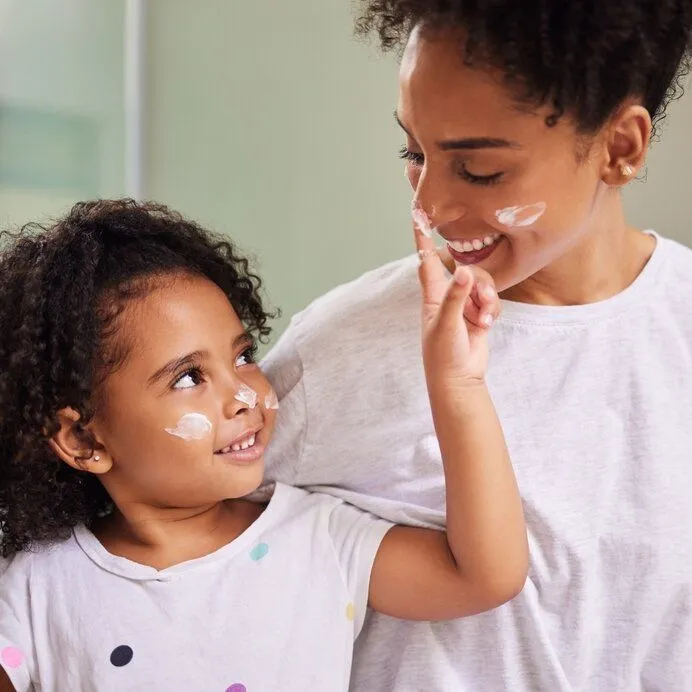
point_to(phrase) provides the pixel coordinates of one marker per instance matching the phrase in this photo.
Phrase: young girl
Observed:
(134, 421)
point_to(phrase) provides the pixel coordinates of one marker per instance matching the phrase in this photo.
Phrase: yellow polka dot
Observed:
(350, 612)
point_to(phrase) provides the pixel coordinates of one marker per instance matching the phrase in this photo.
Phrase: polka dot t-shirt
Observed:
(277, 609)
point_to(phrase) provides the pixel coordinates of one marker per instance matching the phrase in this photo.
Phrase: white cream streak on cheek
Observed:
(192, 426)
(247, 396)
(521, 217)
(271, 401)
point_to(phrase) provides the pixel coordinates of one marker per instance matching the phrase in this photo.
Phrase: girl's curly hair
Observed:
(585, 57)
(62, 290)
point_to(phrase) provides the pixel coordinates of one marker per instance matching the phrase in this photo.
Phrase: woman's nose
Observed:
(440, 204)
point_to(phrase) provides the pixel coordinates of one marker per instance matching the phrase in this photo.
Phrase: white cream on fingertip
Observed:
(421, 220)
(191, 426)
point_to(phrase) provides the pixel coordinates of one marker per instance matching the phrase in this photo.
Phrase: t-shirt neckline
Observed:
(548, 315)
(135, 571)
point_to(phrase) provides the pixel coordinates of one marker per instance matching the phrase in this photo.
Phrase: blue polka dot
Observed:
(121, 656)
(259, 551)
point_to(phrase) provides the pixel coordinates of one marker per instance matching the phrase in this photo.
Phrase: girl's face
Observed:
(185, 420)
(492, 178)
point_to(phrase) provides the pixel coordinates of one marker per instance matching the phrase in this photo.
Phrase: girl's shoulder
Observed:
(42, 560)
(288, 505)
(319, 518)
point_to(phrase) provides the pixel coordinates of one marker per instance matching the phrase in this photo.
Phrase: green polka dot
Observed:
(259, 551)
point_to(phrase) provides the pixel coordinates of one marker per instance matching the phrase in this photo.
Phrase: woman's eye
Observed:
(247, 357)
(479, 179)
(411, 156)
(418, 160)
(189, 379)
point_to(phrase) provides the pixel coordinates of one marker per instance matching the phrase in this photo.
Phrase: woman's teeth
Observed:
(238, 446)
(473, 245)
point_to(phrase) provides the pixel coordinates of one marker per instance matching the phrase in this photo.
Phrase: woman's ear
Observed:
(627, 144)
(76, 445)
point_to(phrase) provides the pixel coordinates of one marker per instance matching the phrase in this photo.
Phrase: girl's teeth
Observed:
(238, 446)
(468, 246)
(477, 244)
(488, 240)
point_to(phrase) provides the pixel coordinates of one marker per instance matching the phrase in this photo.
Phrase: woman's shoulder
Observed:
(367, 291)
(355, 308)
(676, 264)
(676, 252)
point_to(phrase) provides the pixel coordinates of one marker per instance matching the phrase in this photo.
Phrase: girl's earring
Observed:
(626, 170)
(97, 457)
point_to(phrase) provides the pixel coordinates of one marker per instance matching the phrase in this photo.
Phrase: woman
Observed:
(523, 122)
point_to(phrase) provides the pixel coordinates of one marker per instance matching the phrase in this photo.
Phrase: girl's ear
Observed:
(76, 445)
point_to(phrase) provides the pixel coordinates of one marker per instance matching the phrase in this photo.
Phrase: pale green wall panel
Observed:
(61, 105)
(266, 120)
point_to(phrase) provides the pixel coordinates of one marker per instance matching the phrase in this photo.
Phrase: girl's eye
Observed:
(247, 357)
(411, 156)
(189, 379)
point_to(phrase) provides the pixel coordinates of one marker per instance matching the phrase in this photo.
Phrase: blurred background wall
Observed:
(265, 120)
(61, 104)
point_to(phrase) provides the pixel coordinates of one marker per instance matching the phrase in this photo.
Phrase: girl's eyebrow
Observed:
(175, 365)
(243, 338)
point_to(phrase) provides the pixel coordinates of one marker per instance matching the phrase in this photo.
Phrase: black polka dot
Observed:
(121, 656)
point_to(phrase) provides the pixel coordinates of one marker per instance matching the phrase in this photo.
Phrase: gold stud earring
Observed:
(97, 457)
(626, 170)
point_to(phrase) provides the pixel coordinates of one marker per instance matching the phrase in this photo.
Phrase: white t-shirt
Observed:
(276, 609)
(596, 404)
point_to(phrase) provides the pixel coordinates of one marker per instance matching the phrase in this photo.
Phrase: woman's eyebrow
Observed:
(468, 143)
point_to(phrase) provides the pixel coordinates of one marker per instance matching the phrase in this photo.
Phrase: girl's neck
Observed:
(161, 538)
(603, 263)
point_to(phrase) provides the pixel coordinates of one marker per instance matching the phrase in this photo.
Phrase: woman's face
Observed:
(503, 189)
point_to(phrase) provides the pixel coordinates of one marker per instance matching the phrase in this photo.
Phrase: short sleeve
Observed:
(16, 639)
(284, 369)
(356, 537)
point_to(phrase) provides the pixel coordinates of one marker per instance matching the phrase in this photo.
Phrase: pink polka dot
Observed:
(12, 657)
(238, 687)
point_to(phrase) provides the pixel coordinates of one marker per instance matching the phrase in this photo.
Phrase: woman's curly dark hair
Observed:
(584, 56)
(62, 289)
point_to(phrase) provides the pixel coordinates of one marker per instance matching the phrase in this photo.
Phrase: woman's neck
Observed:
(163, 537)
(603, 263)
